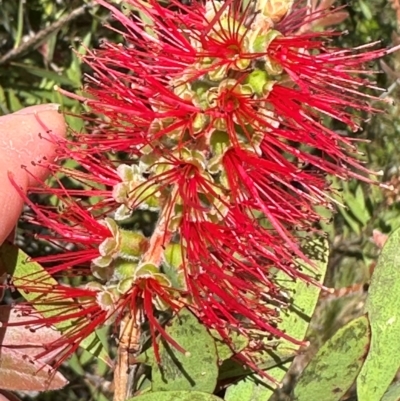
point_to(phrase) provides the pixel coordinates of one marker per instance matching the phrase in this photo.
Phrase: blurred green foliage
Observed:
(39, 42)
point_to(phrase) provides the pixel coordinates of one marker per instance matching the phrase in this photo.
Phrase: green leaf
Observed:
(294, 322)
(249, 389)
(74, 72)
(60, 79)
(356, 204)
(15, 262)
(197, 369)
(176, 396)
(365, 10)
(383, 309)
(224, 352)
(351, 222)
(148, 21)
(13, 100)
(350, 204)
(271, 359)
(393, 393)
(336, 365)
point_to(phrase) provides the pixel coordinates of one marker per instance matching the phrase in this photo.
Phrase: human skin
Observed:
(22, 141)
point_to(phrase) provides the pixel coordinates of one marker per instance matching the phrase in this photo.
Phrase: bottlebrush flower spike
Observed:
(218, 109)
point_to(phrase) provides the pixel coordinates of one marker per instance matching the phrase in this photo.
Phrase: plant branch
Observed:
(35, 41)
(129, 343)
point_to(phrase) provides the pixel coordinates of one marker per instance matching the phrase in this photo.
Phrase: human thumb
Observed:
(23, 141)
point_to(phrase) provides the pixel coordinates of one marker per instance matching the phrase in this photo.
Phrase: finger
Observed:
(23, 141)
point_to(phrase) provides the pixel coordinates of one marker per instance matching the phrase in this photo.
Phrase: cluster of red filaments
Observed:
(217, 110)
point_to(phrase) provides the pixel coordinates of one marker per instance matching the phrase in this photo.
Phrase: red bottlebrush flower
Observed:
(218, 109)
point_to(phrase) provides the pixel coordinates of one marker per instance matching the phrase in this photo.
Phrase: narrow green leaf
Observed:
(197, 369)
(365, 9)
(15, 262)
(356, 204)
(74, 71)
(347, 198)
(176, 396)
(13, 101)
(60, 79)
(351, 222)
(383, 309)
(294, 322)
(361, 212)
(75, 365)
(2, 100)
(20, 24)
(336, 365)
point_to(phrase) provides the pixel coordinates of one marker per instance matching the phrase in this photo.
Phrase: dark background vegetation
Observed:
(38, 41)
